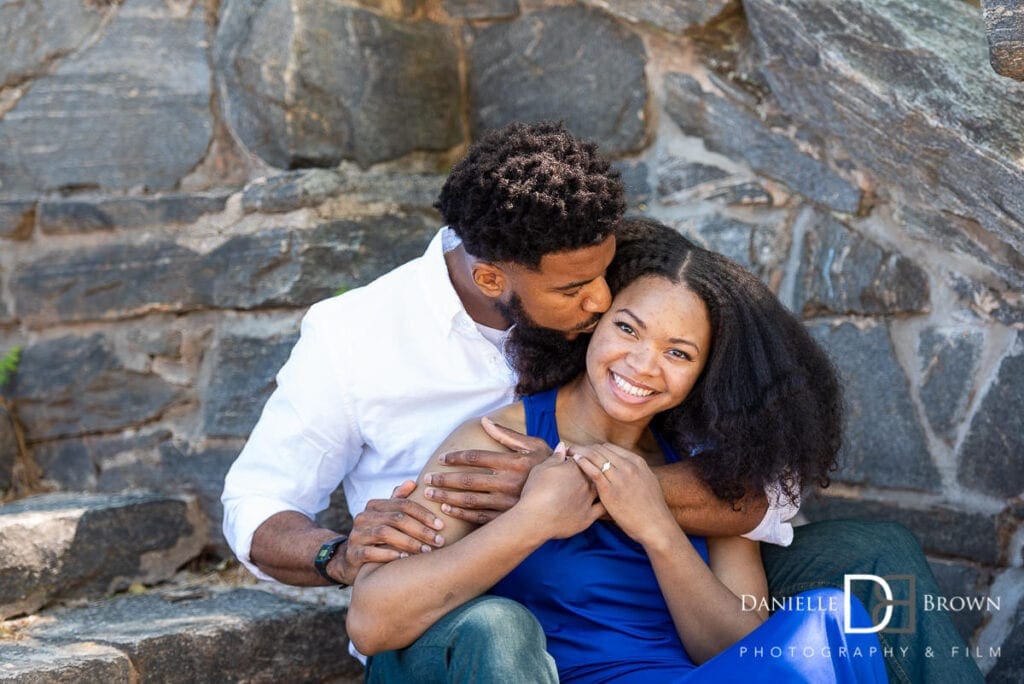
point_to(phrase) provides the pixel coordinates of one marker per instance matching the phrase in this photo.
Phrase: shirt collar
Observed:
(437, 284)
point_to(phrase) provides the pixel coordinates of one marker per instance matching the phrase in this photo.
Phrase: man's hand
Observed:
(386, 530)
(481, 497)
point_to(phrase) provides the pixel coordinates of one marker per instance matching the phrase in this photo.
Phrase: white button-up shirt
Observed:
(380, 376)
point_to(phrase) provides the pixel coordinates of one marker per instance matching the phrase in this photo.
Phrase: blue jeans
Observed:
(488, 639)
(823, 552)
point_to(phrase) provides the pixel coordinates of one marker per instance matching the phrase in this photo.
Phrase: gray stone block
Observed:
(1004, 26)
(481, 9)
(727, 236)
(842, 272)
(8, 451)
(675, 175)
(907, 89)
(81, 545)
(70, 386)
(565, 63)
(132, 109)
(276, 267)
(990, 457)
(27, 661)
(35, 35)
(635, 182)
(1001, 640)
(312, 83)
(948, 361)
(79, 216)
(675, 16)
(155, 462)
(291, 190)
(957, 578)
(940, 529)
(177, 468)
(989, 301)
(729, 125)
(17, 218)
(78, 464)
(236, 635)
(883, 444)
(744, 194)
(243, 375)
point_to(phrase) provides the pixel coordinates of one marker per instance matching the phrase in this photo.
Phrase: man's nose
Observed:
(598, 298)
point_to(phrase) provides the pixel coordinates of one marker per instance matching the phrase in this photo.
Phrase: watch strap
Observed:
(325, 554)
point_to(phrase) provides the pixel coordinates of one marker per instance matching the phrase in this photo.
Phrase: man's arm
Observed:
(479, 498)
(306, 440)
(286, 543)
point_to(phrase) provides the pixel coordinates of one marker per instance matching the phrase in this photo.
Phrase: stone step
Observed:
(60, 546)
(212, 634)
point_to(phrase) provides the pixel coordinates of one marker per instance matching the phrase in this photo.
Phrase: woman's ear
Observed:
(491, 279)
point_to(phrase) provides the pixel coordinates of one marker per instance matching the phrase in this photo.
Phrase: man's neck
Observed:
(481, 308)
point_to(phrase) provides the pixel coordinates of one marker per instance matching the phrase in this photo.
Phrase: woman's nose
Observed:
(641, 359)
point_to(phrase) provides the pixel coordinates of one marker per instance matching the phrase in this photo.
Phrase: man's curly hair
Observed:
(528, 190)
(766, 410)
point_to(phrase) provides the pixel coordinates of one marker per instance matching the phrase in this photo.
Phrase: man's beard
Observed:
(543, 358)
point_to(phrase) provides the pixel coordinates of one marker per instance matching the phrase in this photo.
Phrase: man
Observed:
(382, 374)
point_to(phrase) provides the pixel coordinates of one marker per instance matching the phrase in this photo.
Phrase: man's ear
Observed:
(490, 278)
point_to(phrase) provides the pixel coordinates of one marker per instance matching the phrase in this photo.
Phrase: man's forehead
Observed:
(578, 265)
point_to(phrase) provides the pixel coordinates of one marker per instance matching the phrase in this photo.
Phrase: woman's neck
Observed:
(583, 420)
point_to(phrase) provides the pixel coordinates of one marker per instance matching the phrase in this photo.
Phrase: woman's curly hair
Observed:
(528, 190)
(768, 406)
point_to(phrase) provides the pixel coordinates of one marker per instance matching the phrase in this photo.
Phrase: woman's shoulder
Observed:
(472, 435)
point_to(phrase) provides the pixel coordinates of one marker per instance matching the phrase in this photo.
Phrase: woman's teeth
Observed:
(629, 388)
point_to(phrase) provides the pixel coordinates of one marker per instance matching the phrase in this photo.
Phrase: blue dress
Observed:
(598, 600)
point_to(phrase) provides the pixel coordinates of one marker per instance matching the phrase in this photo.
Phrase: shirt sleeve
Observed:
(775, 527)
(305, 442)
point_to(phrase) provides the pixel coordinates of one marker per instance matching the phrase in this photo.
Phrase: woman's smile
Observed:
(628, 390)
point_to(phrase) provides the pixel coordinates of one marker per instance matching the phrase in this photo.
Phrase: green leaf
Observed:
(9, 365)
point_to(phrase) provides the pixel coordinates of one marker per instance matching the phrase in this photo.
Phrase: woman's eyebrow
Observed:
(643, 326)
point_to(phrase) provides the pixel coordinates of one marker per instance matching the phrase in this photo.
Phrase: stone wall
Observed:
(180, 179)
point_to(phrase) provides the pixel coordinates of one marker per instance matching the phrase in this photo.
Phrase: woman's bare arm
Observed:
(705, 602)
(393, 604)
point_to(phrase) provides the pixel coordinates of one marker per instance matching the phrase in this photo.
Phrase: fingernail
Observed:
(403, 555)
(424, 548)
(429, 492)
(576, 457)
(443, 458)
(445, 508)
(429, 479)
(438, 523)
(438, 539)
(560, 448)
(487, 420)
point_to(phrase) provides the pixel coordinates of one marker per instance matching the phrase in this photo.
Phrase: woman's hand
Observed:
(558, 499)
(628, 488)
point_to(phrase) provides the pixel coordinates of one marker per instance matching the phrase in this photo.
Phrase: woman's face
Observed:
(649, 349)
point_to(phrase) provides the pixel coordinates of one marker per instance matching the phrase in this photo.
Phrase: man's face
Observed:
(567, 293)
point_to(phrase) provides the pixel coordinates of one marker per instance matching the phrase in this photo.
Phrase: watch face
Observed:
(324, 554)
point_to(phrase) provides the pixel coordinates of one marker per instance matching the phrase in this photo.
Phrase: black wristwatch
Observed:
(324, 556)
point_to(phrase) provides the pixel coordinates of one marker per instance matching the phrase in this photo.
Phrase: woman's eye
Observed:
(679, 354)
(626, 328)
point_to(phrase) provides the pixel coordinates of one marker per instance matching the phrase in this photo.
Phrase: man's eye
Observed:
(572, 293)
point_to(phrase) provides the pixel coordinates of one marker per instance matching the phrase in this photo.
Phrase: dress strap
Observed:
(540, 416)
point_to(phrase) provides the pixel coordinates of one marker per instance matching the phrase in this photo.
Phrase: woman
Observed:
(695, 357)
